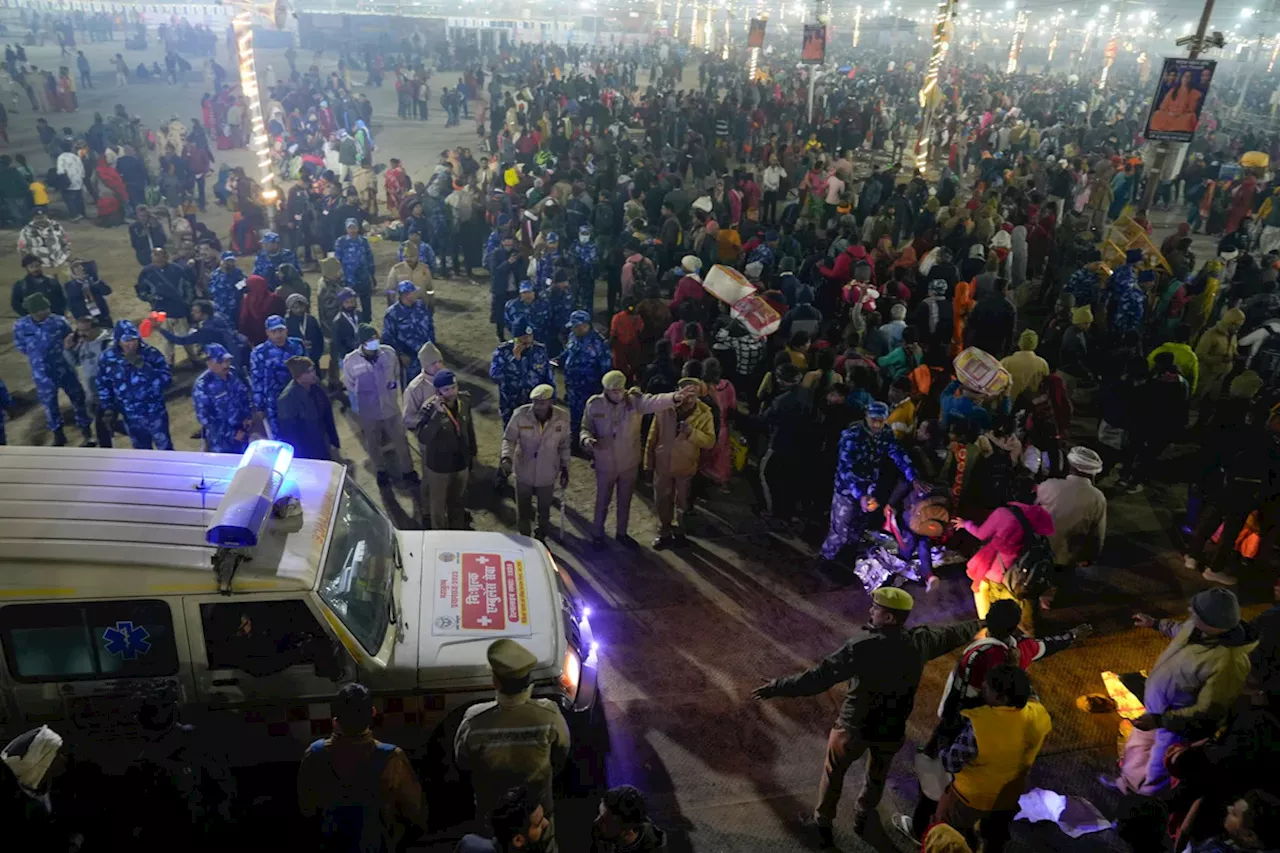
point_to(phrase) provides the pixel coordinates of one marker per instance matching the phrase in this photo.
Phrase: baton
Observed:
(564, 494)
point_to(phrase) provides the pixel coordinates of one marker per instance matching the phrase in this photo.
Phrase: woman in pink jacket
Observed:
(1001, 535)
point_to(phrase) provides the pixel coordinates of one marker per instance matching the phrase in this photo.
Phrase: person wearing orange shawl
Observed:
(962, 305)
(882, 258)
(625, 330)
(113, 195)
(907, 261)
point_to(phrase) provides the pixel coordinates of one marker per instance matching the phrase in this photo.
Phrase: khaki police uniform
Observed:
(513, 741)
(615, 429)
(539, 451)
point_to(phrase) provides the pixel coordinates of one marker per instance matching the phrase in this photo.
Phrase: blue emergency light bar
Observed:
(245, 507)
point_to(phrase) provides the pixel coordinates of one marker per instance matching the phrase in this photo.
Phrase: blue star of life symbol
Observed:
(127, 640)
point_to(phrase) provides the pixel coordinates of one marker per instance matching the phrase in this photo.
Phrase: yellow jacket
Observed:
(669, 450)
(1184, 357)
(1008, 739)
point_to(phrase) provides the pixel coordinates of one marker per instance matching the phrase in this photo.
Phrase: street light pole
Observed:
(1162, 150)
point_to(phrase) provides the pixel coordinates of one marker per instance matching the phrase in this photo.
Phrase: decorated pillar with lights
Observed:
(930, 95)
(1113, 48)
(1015, 46)
(259, 141)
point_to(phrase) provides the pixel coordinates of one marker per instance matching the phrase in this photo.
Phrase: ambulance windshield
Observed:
(359, 572)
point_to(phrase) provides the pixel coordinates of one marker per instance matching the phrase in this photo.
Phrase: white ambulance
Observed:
(252, 588)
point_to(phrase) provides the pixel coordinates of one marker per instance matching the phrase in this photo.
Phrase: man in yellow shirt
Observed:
(1026, 369)
(991, 757)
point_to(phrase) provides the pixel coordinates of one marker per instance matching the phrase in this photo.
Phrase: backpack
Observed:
(1029, 575)
(996, 481)
(1266, 361)
(353, 821)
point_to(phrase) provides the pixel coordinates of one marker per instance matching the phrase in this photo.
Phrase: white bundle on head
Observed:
(34, 762)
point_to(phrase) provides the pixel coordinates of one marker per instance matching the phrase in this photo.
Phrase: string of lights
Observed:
(242, 25)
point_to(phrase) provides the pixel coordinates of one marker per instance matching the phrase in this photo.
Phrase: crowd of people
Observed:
(904, 387)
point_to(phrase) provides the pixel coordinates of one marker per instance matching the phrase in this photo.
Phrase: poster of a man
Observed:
(1179, 97)
(814, 49)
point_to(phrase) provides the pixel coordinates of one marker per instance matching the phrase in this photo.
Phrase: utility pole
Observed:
(1163, 149)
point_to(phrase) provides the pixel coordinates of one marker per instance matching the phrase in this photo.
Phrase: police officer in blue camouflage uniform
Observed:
(501, 230)
(551, 260)
(132, 379)
(271, 258)
(41, 336)
(864, 449)
(765, 254)
(559, 301)
(526, 310)
(586, 260)
(356, 256)
(267, 371)
(519, 366)
(408, 325)
(223, 403)
(585, 361)
(226, 287)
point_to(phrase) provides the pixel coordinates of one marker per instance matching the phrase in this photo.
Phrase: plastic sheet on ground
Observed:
(1128, 705)
(878, 565)
(1074, 815)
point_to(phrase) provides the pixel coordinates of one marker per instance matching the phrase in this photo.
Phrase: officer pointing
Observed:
(515, 740)
(611, 433)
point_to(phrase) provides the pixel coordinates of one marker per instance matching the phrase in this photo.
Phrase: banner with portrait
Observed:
(1179, 97)
(755, 37)
(814, 49)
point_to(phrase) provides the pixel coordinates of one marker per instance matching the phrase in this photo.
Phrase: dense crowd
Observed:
(901, 375)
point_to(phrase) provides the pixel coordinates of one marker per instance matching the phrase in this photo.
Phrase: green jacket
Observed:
(883, 668)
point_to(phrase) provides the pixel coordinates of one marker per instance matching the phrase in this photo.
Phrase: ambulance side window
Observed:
(88, 640)
(262, 637)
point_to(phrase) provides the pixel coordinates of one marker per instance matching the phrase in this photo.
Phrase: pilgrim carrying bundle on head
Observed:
(745, 304)
(980, 372)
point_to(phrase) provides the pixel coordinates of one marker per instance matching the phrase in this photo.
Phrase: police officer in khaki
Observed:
(611, 433)
(536, 445)
(515, 740)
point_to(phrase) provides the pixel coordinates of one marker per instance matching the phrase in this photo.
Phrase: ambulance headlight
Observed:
(243, 511)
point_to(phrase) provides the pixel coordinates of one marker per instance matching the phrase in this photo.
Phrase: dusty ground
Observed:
(686, 635)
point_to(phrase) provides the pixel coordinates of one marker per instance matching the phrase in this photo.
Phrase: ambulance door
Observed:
(88, 662)
(262, 650)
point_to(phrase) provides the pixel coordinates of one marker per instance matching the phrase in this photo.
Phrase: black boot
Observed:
(59, 438)
(88, 441)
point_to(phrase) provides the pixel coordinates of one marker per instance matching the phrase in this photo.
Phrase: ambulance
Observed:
(251, 589)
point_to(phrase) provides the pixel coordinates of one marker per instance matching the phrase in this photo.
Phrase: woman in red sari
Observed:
(112, 196)
(716, 462)
(397, 183)
(625, 330)
(258, 304)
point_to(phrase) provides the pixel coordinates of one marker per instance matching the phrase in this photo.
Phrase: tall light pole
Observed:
(1196, 45)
